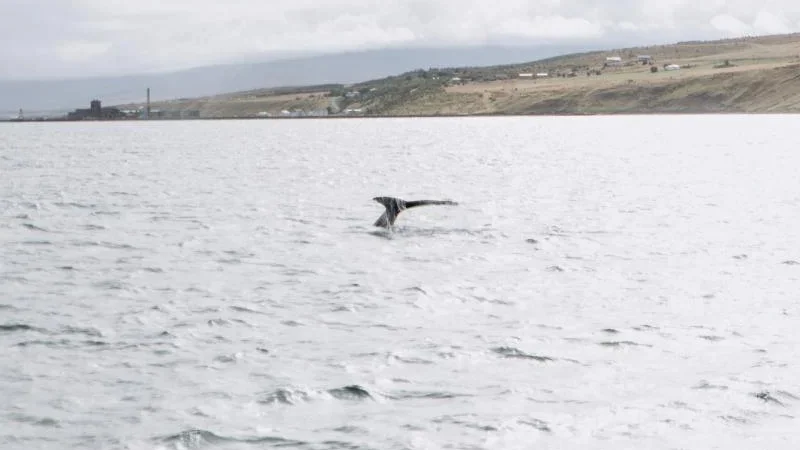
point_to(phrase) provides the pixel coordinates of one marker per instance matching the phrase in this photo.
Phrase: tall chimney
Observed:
(147, 110)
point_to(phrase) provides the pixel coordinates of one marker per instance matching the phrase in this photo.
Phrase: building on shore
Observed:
(96, 112)
(156, 113)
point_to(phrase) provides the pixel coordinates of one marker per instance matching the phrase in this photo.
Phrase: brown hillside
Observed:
(756, 74)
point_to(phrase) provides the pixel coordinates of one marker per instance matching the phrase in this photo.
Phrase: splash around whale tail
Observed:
(395, 205)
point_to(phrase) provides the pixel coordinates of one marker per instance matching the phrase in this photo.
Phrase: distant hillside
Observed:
(755, 74)
(65, 95)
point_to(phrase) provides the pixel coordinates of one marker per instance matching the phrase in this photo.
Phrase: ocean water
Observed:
(604, 282)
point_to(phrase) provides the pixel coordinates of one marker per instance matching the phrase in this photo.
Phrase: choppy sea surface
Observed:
(604, 283)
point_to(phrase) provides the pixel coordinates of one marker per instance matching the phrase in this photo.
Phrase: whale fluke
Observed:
(394, 206)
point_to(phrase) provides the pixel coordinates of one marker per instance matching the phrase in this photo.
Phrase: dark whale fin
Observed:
(394, 206)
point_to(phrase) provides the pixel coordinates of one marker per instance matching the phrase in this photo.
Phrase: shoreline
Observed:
(758, 75)
(426, 116)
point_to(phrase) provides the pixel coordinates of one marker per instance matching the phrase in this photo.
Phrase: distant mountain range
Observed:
(58, 96)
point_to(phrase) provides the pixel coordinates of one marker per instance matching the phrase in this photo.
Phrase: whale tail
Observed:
(394, 206)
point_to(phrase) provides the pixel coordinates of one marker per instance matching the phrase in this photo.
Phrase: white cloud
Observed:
(769, 23)
(762, 22)
(94, 36)
(730, 25)
(551, 27)
(81, 51)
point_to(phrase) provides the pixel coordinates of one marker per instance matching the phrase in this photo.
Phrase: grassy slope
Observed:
(763, 76)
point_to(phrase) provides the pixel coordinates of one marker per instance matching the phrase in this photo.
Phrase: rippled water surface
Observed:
(604, 282)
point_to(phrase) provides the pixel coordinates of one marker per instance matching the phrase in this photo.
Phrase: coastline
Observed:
(758, 75)
(419, 116)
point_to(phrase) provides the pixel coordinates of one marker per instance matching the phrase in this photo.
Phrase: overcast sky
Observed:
(66, 38)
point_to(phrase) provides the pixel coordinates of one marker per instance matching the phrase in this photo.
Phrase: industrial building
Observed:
(96, 112)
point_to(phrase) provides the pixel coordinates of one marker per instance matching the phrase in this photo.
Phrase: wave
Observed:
(293, 396)
(37, 242)
(62, 343)
(74, 205)
(33, 420)
(200, 439)
(105, 244)
(412, 232)
(197, 439)
(515, 353)
(245, 310)
(113, 285)
(33, 227)
(435, 395)
(622, 343)
(772, 397)
(92, 332)
(286, 396)
(411, 359)
(352, 392)
(15, 327)
(29, 205)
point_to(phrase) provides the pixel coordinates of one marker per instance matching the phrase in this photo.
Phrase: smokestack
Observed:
(147, 110)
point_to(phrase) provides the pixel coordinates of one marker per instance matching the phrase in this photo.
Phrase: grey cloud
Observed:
(53, 38)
